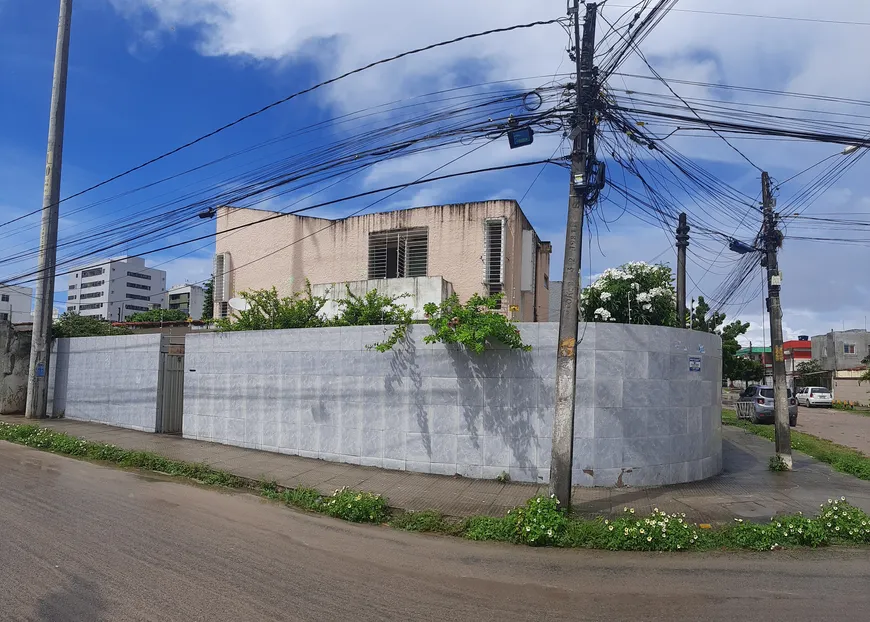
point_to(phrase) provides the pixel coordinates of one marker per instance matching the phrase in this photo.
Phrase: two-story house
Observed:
(426, 252)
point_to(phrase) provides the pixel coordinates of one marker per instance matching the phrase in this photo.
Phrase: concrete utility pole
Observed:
(682, 245)
(40, 351)
(581, 168)
(772, 242)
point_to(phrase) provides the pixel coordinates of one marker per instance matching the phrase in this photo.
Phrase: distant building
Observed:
(426, 252)
(115, 289)
(842, 354)
(15, 304)
(795, 353)
(187, 298)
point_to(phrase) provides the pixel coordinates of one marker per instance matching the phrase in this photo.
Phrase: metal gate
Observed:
(170, 389)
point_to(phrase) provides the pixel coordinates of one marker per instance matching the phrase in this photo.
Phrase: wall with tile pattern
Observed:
(642, 416)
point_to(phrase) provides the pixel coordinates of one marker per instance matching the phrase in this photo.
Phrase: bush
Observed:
(777, 464)
(473, 324)
(355, 506)
(658, 532)
(72, 324)
(541, 522)
(159, 315)
(844, 522)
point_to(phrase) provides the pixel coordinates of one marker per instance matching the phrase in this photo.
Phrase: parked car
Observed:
(815, 396)
(756, 404)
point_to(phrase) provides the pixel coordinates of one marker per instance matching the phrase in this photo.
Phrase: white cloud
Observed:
(337, 35)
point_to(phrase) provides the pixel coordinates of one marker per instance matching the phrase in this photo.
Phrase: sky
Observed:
(148, 75)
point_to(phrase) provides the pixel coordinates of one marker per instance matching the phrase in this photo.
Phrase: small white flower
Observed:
(605, 296)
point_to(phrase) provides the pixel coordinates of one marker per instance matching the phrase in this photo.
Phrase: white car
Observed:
(814, 396)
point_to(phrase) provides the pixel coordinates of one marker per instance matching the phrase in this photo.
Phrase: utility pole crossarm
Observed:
(581, 167)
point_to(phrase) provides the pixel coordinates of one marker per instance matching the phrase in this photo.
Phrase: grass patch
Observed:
(540, 522)
(427, 521)
(842, 459)
(61, 443)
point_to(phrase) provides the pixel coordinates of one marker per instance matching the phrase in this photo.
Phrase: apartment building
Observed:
(115, 289)
(15, 304)
(426, 252)
(187, 298)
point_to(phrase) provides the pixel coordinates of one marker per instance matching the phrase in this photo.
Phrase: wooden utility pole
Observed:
(682, 245)
(772, 242)
(40, 350)
(582, 156)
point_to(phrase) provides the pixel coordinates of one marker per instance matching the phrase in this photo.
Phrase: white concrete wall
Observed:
(109, 380)
(420, 291)
(642, 417)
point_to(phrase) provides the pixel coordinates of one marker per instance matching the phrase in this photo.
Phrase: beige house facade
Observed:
(466, 248)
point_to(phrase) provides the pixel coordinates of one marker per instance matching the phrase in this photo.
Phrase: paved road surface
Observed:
(839, 426)
(82, 542)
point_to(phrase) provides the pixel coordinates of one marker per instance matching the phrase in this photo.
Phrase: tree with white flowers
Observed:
(634, 293)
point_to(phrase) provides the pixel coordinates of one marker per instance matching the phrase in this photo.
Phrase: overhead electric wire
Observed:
(291, 97)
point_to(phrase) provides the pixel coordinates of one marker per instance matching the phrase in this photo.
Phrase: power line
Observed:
(760, 16)
(291, 97)
(275, 216)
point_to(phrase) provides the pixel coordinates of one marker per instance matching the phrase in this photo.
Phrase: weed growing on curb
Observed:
(777, 464)
(356, 507)
(541, 522)
(421, 522)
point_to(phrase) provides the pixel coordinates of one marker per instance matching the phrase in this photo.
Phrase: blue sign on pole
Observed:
(40, 370)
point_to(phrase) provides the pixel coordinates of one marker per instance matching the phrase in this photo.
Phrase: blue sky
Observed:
(148, 75)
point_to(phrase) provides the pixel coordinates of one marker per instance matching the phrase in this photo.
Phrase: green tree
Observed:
(208, 299)
(808, 372)
(634, 293)
(473, 324)
(71, 324)
(159, 315)
(733, 367)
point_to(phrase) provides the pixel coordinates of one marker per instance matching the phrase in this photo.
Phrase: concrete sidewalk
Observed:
(746, 489)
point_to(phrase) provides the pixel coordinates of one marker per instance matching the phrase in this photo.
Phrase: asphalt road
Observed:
(84, 542)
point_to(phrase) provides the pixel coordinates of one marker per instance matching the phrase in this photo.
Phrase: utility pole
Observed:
(582, 156)
(40, 351)
(682, 245)
(772, 242)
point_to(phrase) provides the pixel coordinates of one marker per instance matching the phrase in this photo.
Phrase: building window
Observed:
(72, 308)
(139, 275)
(92, 284)
(4, 297)
(138, 286)
(95, 305)
(93, 272)
(4, 317)
(138, 297)
(72, 286)
(494, 256)
(71, 297)
(399, 253)
(224, 310)
(848, 348)
(93, 295)
(135, 308)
